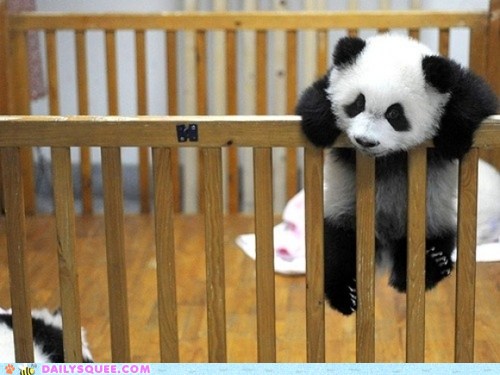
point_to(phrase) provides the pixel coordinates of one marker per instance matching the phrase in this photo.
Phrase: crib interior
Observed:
(199, 317)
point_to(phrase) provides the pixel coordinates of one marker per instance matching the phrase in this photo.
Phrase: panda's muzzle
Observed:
(366, 142)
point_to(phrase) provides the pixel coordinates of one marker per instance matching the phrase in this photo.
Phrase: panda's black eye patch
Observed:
(356, 107)
(395, 114)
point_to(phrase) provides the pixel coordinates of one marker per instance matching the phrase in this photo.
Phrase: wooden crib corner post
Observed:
(492, 71)
(16, 244)
(4, 92)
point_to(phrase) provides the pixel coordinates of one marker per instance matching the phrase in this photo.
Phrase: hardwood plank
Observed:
(292, 182)
(240, 297)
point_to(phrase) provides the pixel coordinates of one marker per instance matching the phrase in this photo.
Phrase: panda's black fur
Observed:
(454, 101)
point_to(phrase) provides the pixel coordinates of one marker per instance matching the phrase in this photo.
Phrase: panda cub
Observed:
(390, 93)
(47, 337)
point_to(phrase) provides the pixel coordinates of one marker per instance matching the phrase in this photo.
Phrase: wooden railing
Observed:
(199, 26)
(262, 133)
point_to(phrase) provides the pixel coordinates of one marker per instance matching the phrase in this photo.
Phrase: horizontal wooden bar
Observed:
(160, 131)
(247, 20)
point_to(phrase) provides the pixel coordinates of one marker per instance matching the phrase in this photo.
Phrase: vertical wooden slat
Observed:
(466, 258)
(115, 253)
(83, 109)
(51, 48)
(478, 48)
(214, 240)
(315, 300)
(171, 61)
(111, 77)
(365, 258)
(201, 101)
(231, 97)
(5, 77)
(21, 106)
(261, 72)
(493, 73)
(142, 109)
(444, 42)
(291, 101)
(322, 52)
(415, 297)
(263, 195)
(68, 277)
(415, 33)
(165, 254)
(4, 66)
(266, 311)
(16, 246)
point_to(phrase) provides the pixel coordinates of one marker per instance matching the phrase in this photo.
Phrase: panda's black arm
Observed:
(471, 101)
(318, 122)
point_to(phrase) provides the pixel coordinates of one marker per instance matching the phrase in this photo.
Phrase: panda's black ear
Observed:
(347, 50)
(471, 101)
(440, 72)
(318, 122)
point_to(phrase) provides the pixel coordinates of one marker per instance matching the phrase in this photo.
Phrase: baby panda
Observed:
(388, 94)
(47, 337)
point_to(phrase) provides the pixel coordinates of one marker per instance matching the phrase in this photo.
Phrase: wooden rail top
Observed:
(247, 20)
(162, 131)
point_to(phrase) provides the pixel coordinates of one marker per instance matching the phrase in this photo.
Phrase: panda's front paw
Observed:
(343, 297)
(438, 266)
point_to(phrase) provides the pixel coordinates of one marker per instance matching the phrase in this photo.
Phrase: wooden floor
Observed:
(240, 298)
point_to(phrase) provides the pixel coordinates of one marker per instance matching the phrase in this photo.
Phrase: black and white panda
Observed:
(47, 337)
(390, 93)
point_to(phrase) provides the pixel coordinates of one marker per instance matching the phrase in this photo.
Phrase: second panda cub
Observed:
(389, 94)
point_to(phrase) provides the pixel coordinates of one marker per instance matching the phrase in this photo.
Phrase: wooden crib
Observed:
(230, 278)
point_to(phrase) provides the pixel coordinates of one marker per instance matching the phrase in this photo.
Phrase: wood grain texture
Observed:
(83, 109)
(365, 258)
(214, 250)
(291, 337)
(264, 246)
(315, 294)
(415, 301)
(66, 241)
(249, 20)
(16, 247)
(165, 254)
(466, 257)
(115, 254)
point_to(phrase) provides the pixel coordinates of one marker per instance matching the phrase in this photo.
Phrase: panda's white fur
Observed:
(389, 94)
(391, 198)
(50, 320)
(385, 78)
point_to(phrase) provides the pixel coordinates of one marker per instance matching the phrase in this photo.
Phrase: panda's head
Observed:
(391, 93)
(380, 96)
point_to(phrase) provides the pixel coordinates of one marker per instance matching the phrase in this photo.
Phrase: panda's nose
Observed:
(365, 142)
